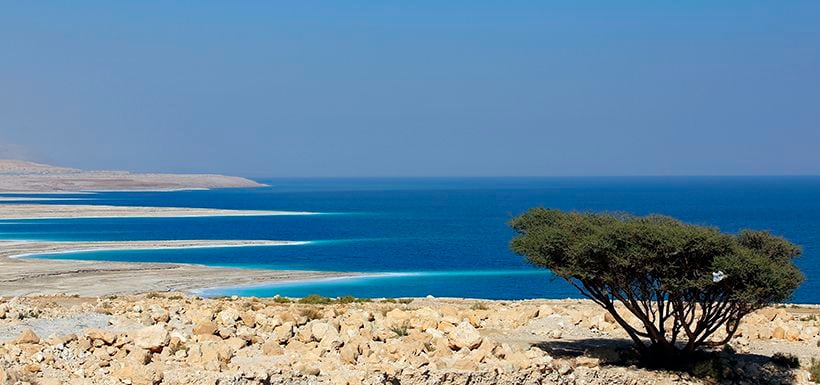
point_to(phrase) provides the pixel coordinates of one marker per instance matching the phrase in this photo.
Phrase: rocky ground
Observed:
(179, 339)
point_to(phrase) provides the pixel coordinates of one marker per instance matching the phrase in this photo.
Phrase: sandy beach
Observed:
(48, 211)
(23, 276)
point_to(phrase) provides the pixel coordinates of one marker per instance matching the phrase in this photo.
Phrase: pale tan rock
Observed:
(248, 318)
(563, 366)
(464, 336)
(104, 336)
(139, 374)
(236, 343)
(151, 338)
(27, 336)
(349, 353)
(808, 333)
(765, 333)
(792, 334)
(138, 356)
(589, 362)
(272, 348)
(779, 333)
(769, 313)
(284, 332)
(396, 317)
(228, 317)
(201, 315)
(204, 327)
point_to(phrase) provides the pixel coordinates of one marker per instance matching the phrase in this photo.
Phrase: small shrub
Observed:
(315, 299)
(815, 370)
(389, 300)
(478, 306)
(282, 300)
(707, 368)
(311, 313)
(351, 299)
(401, 330)
(786, 360)
(405, 301)
(346, 299)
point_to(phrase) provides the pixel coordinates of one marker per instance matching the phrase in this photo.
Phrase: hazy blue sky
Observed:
(376, 88)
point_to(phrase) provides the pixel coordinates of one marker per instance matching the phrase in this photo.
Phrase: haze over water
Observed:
(443, 237)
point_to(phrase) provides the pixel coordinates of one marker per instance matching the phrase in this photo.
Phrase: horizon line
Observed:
(532, 176)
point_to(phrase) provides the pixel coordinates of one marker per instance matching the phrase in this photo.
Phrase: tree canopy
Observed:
(683, 282)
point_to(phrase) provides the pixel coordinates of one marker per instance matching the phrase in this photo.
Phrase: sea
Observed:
(445, 237)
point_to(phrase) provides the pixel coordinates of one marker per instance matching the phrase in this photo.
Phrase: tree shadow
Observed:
(714, 367)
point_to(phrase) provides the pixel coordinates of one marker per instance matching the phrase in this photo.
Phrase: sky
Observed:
(414, 88)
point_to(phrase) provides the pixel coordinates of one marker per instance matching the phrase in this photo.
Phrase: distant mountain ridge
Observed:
(24, 176)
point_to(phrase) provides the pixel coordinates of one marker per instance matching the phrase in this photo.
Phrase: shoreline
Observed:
(56, 211)
(23, 274)
(91, 246)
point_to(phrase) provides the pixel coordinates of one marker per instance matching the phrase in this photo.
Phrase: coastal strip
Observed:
(38, 199)
(49, 211)
(25, 276)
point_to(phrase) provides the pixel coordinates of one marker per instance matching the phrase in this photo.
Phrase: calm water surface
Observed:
(445, 237)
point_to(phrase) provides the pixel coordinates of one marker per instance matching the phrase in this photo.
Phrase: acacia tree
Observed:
(682, 282)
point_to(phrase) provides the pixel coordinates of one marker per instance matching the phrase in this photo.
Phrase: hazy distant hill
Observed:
(22, 176)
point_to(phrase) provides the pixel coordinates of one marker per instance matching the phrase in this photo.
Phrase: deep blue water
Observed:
(445, 237)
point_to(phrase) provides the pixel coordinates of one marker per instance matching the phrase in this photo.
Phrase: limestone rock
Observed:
(151, 338)
(106, 337)
(464, 336)
(205, 327)
(139, 374)
(27, 336)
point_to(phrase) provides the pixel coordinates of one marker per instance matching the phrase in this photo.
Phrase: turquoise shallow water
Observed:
(445, 237)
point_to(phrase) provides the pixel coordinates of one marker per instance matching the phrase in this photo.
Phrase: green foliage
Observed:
(282, 300)
(786, 360)
(661, 270)
(710, 368)
(346, 299)
(311, 313)
(315, 299)
(814, 370)
(400, 330)
(351, 299)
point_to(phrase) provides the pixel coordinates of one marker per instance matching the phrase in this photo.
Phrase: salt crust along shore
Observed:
(174, 338)
(21, 276)
(22, 176)
(55, 211)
